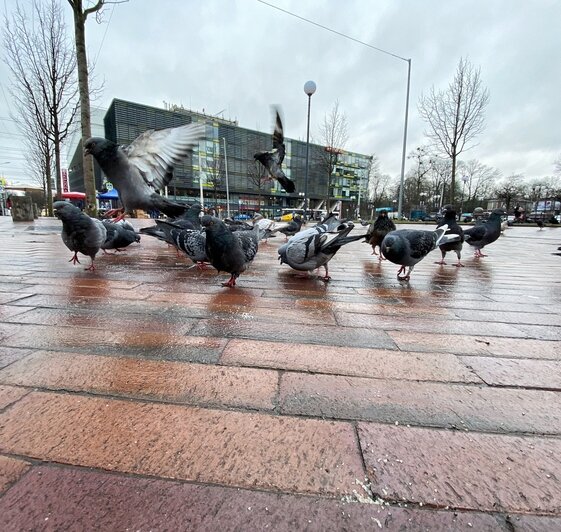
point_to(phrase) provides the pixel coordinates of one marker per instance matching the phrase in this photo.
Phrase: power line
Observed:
(341, 34)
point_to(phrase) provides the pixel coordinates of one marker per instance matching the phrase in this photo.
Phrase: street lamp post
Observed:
(465, 179)
(227, 184)
(309, 89)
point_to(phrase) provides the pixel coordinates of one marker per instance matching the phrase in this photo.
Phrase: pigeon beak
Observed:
(87, 151)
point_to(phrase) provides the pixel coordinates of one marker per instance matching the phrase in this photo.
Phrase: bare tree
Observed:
(333, 135)
(455, 115)
(44, 85)
(378, 183)
(510, 189)
(478, 181)
(558, 166)
(80, 16)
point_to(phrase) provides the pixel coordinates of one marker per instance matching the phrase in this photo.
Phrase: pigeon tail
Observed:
(168, 207)
(286, 183)
(440, 234)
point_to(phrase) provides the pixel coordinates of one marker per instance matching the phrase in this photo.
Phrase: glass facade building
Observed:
(227, 151)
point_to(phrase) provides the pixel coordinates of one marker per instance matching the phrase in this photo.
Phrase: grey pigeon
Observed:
(137, 171)
(189, 220)
(119, 236)
(449, 219)
(229, 251)
(272, 159)
(80, 233)
(407, 247)
(484, 234)
(378, 230)
(313, 248)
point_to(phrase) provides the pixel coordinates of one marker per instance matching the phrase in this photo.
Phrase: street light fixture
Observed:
(309, 89)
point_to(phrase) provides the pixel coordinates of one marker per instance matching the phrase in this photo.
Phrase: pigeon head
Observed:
(392, 245)
(63, 209)
(383, 214)
(96, 146)
(210, 222)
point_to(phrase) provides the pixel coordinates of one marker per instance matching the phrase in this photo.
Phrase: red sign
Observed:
(64, 180)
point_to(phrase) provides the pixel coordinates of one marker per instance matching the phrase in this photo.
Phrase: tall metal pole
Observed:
(309, 89)
(201, 181)
(227, 184)
(404, 152)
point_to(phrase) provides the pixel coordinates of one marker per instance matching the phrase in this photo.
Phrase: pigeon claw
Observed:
(90, 268)
(441, 262)
(74, 259)
(231, 282)
(459, 265)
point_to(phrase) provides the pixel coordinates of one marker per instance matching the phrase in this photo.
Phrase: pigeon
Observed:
(484, 234)
(313, 248)
(272, 159)
(118, 236)
(188, 220)
(229, 251)
(407, 247)
(292, 228)
(137, 171)
(378, 230)
(539, 223)
(453, 229)
(80, 233)
(192, 242)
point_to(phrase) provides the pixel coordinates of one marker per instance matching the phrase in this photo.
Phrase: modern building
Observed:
(224, 163)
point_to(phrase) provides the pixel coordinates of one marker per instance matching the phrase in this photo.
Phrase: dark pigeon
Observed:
(119, 236)
(229, 251)
(292, 228)
(407, 247)
(80, 233)
(313, 248)
(378, 230)
(272, 159)
(482, 235)
(137, 171)
(449, 219)
(189, 220)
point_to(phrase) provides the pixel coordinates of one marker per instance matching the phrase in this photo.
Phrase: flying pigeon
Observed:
(310, 249)
(407, 247)
(378, 230)
(272, 159)
(118, 236)
(80, 233)
(482, 235)
(453, 229)
(292, 228)
(229, 251)
(146, 165)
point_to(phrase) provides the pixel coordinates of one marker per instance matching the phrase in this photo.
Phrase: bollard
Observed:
(22, 209)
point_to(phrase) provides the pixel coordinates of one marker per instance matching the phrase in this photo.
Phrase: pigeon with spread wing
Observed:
(272, 159)
(137, 171)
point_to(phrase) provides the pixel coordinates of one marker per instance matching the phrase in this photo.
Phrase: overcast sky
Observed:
(240, 56)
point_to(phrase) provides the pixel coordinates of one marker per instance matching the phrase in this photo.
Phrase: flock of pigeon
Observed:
(147, 164)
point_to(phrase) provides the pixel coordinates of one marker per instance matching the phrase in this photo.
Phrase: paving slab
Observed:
(77, 499)
(437, 468)
(11, 469)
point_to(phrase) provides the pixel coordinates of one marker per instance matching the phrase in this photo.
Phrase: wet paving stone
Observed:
(10, 394)
(231, 448)
(525, 373)
(11, 354)
(146, 379)
(11, 469)
(237, 328)
(77, 499)
(424, 403)
(436, 467)
(376, 363)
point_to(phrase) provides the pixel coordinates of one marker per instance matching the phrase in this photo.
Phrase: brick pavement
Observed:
(145, 396)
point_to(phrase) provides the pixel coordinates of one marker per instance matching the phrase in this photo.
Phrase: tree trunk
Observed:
(453, 178)
(87, 162)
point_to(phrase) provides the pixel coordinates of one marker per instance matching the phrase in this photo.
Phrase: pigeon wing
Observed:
(248, 242)
(278, 139)
(421, 243)
(156, 153)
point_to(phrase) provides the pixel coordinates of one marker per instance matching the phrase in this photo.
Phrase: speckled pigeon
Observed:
(484, 234)
(80, 233)
(407, 247)
(313, 248)
(137, 171)
(272, 159)
(118, 236)
(229, 251)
